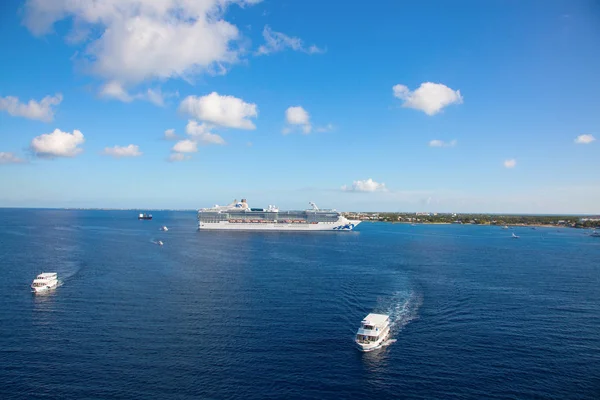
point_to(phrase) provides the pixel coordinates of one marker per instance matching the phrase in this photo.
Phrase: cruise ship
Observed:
(239, 216)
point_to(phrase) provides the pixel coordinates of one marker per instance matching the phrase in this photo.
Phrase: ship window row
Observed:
(365, 338)
(211, 218)
(282, 216)
(319, 218)
(250, 217)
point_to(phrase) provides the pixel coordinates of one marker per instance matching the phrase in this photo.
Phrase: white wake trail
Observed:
(403, 308)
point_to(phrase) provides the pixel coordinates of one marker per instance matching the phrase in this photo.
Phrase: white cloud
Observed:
(297, 116)
(441, 143)
(155, 97)
(429, 97)
(123, 151)
(510, 163)
(368, 185)
(314, 49)
(138, 40)
(9, 158)
(185, 146)
(170, 134)
(277, 41)
(57, 144)
(42, 110)
(227, 111)
(175, 157)
(585, 139)
(115, 90)
(198, 133)
(202, 133)
(326, 128)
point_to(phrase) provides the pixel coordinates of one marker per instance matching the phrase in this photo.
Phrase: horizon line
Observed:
(371, 212)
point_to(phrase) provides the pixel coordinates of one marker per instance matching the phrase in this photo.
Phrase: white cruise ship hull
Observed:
(341, 225)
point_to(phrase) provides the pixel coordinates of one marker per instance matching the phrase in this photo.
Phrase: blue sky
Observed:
(391, 106)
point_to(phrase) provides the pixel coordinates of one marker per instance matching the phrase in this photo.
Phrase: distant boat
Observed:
(505, 227)
(159, 242)
(164, 229)
(44, 282)
(595, 234)
(145, 216)
(514, 236)
(413, 224)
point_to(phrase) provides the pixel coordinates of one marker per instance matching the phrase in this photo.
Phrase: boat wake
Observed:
(404, 309)
(67, 270)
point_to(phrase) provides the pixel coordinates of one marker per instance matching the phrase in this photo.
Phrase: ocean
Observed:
(238, 315)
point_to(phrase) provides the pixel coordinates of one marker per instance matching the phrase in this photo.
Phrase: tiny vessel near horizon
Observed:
(595, 234)
(44, 282)
(160, 243)
(505, 227)
(514, 236)
(373, 332)
(144, 216)
(239, 216)
(164, 228)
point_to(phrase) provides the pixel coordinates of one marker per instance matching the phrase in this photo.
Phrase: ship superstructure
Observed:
(240, 216)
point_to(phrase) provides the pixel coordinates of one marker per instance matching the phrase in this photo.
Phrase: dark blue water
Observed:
(217, 315)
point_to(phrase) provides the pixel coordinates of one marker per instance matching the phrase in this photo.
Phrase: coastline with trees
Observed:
(571, 221)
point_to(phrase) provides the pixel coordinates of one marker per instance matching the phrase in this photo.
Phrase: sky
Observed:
(441, 106)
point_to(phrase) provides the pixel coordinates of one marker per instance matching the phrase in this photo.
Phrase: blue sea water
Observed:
(218, 315)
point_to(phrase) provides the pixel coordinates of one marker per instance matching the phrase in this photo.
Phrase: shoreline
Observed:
(494, 225)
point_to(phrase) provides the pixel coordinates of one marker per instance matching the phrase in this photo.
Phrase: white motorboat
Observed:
(164, 229)
(44, 282)
(514, 236)
(160, 243)
(373, 332)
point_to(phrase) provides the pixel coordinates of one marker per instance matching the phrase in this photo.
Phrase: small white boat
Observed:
(373, 332)
(164, 228)
(160, 243)
(514, 236)
(505, 227)
(595, 234)
(44, 282)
